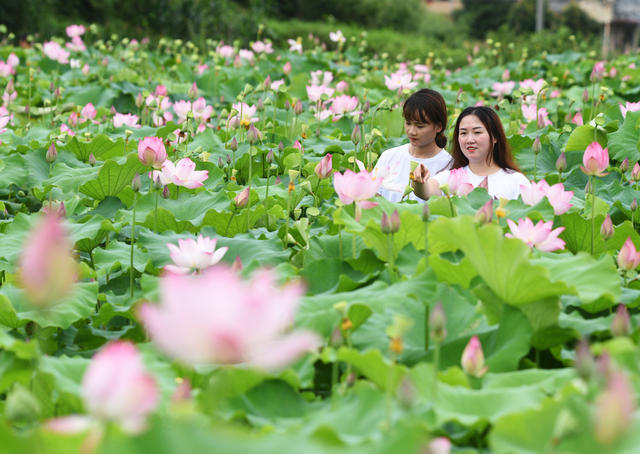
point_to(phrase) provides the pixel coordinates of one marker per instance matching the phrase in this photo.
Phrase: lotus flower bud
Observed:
(472, 360)
(484, 215)
(260, 105)
(628, 258)
(287, 105)
(425, 212)
(21, 407)
(621, 324)
(537, 146)
(297, 107)
(286, 69)
(561, 162)
(233, 145)
(390, 224)
(253, 135)
(355, 135)
(407, 394)
(614, 409)
(606, 229)
(236, 266)
(165, 192)
(269, 157)
(47, 269)
(440, 445)
(220, 162)
(242, 198)
(366, 107)
(634, 205)
(193, 91)
(55, 208)
(585, 96)
(635, 172)
(324, 168)
(584, 362)
(438, 323)
(624, 165)
(136, 183)
(280, 146)
(52, 153)
(139, 100)
(228, 159)
(92, 159)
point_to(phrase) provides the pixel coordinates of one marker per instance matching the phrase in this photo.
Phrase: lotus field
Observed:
(194, 259)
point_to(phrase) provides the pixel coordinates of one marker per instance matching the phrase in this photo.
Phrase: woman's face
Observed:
(474, 140)
(421, 133)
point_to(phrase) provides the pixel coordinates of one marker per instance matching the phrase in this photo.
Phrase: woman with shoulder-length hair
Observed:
(481, 150)
(425, 122)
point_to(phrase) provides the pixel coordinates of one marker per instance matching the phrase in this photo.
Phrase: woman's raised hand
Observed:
(421, 174)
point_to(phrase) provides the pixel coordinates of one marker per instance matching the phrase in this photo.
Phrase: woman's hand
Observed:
(421, 174)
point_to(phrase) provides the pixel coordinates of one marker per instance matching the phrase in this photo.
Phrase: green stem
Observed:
(426, 327)
(353, 245)
(436, 364)
(592, 184)
(226, 230)
(133, 232)
(535, 166)
(286, 226)
(391, 256)
(266, 194)
(452, 208)
(250, 176)
(340, 242)
(155, 219)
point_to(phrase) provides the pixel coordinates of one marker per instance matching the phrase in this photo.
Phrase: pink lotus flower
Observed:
(343, 104)
(182, 109)
(64, 129)
(215, 317)
(615, 407)
(246, 113)
(534, 85)
(286, 69)
(76, 45)
(501, 89)
(324, 168)
(242, 198)
(595, 160)
(201, 111)
(276, 84)
(201, 68)
(151, 152)
(541, 236)
(577, 119)
(246, 54)
(194, 255)
(399, 81)
(184, 173)
(458, 182)
(629, 107)
(628, 257)
(161, 90)
(320, 77)
(260, 47)
(472, 359)
(557, 196)
(529, 112)
(315, 92)
(598, 71)
(47, 270)
(74, 31)
(54, 51)
(13, 60)
(543, 118)
(356, 188)
(88, 112)
(115, 388)
(129, 120)
(225, 51)
(342, 86)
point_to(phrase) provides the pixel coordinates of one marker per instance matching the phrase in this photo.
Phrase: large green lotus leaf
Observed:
(14, 370)
(101, 146)
(58, 384)
(68, 178)
(164, 220)
(582, 136)
(527, 432)
(229, 224)
(548, 380)
(118, 255)
(510, 342)
(470, 406)
(503, 263)
(324, 275)
(21, 349)
(585, 327)
(96, 94)
(271, 400)
(585, 276)
(375, 367)
(15, 309)
(625, 142)
(14, 171)
(186, 207)
(113, 178)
